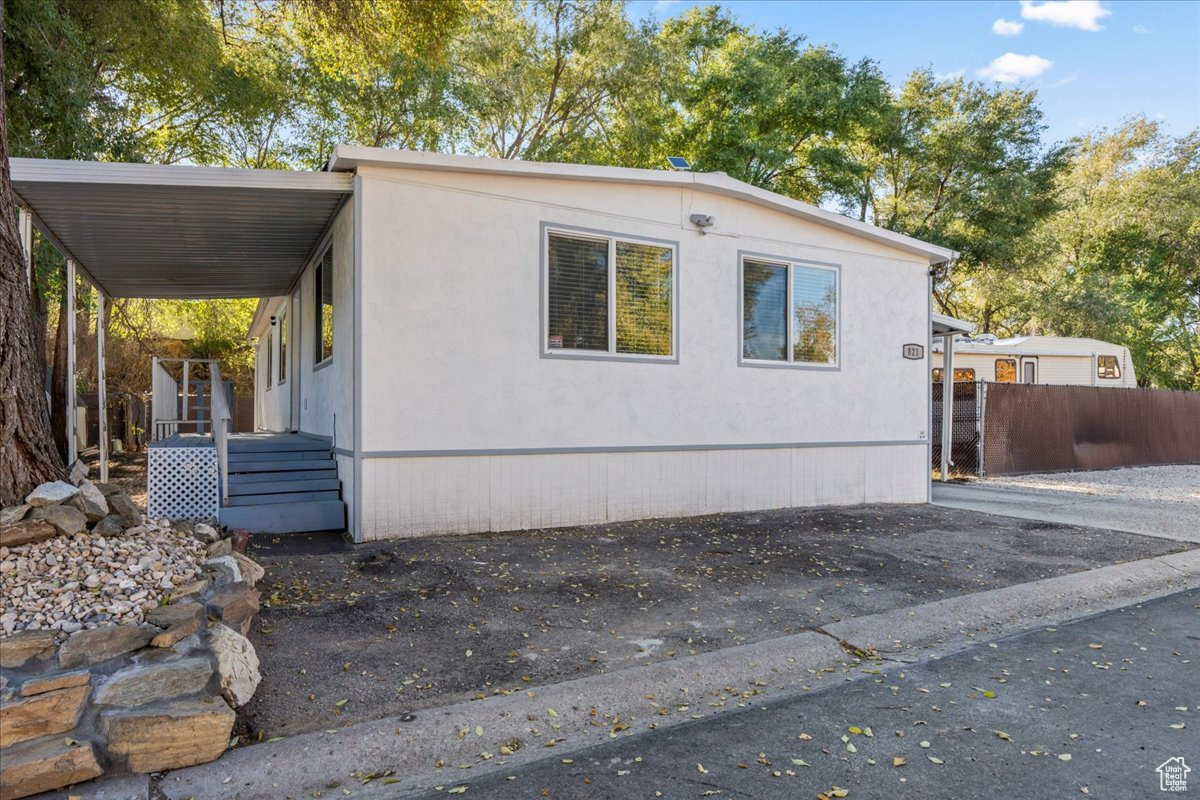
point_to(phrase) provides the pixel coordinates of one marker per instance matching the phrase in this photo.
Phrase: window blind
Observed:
(764, 311)
(644, 307)
(814, 315)
(577, 293)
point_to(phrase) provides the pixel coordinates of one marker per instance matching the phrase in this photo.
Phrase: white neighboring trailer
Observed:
(1057, 360)
(518, 345)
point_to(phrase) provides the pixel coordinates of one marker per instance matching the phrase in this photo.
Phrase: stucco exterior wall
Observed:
(273, 401)
(452, 363)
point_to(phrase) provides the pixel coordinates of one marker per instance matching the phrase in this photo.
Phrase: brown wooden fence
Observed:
(1032, 428)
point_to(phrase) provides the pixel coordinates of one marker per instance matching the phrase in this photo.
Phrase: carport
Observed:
(170, 232)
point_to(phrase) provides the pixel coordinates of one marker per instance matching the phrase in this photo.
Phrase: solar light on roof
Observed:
(678, 162)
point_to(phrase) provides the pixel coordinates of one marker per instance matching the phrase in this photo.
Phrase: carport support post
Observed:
(102, 384)
(25, 229)
(69, 299)
(947, 402)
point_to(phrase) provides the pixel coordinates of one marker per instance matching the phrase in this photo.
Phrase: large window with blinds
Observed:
(323, 311)
(609, 295)
(790, 313)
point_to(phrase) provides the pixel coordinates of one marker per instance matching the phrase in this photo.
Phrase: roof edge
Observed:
(47, 170)
(349, 158)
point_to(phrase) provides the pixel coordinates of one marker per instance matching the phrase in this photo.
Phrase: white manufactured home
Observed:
(1057, 360)
(454, 344)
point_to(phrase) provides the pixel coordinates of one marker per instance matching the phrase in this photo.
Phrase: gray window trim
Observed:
(282, 367)
(790, 263)
(612, 237)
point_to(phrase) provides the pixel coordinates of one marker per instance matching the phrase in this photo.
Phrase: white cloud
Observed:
(1082, 14)
(1013, 67)
(1004, 27)
(1140, 29)
(950, 76)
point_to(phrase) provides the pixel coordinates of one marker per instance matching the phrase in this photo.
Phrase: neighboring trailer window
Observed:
(789, 313)
(1108, 367)
(1006, 370)
(961, 374)
(283, 362)
(323, 286)
(609, 295)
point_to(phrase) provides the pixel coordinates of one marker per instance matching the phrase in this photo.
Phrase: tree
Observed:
(1121, 259)
(962, 165)
(27, 454)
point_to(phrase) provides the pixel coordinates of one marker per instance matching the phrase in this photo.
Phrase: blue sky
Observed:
(1092, 63)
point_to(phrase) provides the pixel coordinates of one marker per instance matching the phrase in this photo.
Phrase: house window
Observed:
(323, 285)
(283, 362)
(269, 347)
(1107, 367)
(961, 374)
(789, 313)
(609, 295)
(1006, 370)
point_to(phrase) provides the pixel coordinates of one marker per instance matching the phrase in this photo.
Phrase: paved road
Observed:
(1086, 709)
(1178, 521)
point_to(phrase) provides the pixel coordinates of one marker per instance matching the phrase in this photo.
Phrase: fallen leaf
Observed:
(341, 703)
(552, 712)
(854, 729)
(1064, 756)
(899, 761)
(800, 762)
(700, 768)
(1003, 735)
(1178, 725)
(457, 790)
(838, 791)
(925, 744)
(936, 760)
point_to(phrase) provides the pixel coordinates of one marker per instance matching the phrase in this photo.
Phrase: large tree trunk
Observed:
(58, 380)
(27, 453)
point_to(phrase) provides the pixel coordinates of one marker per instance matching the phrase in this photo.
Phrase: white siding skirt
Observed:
(418, 496)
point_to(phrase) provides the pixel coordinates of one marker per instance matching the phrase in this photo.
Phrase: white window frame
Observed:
(611, 354)
(791, 265)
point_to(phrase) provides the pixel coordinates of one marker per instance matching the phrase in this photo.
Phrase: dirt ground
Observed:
(352, 633)
(126, 471)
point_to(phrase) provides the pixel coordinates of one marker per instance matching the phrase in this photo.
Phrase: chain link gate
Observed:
(966, 438)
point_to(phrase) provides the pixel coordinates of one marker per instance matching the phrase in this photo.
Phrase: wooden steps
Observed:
(283, 483)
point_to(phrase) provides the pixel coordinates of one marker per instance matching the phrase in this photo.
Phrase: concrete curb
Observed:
(1025, 605)
(337, 764)
(562, 714)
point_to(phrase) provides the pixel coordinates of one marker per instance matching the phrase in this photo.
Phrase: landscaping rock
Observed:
(168, 736)
(145, 683)
(79, 471)
(237, 664)
(50, 683)
(120, 503)
(205, 532)
(27, 531)
(112, 525)
(174, 614)
(225, 569)
(31, 717)
(90, 501)
(42, 766)
(101, 644)
(252, 573)
(190, 591)
(221, 547)
(14, 513)
(107, 489)
(67, 520)
(180, 621)
(236, 604)
(240, 539)
(50, 494)
(16, 650)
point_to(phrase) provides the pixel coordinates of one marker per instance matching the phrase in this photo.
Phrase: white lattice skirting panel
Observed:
(182, 483)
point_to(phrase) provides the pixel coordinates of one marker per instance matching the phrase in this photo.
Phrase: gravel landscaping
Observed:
(1169, 484)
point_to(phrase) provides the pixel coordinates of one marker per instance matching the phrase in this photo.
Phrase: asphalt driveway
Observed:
(349, 634)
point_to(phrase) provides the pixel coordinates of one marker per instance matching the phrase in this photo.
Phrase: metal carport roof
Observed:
(149, 230)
